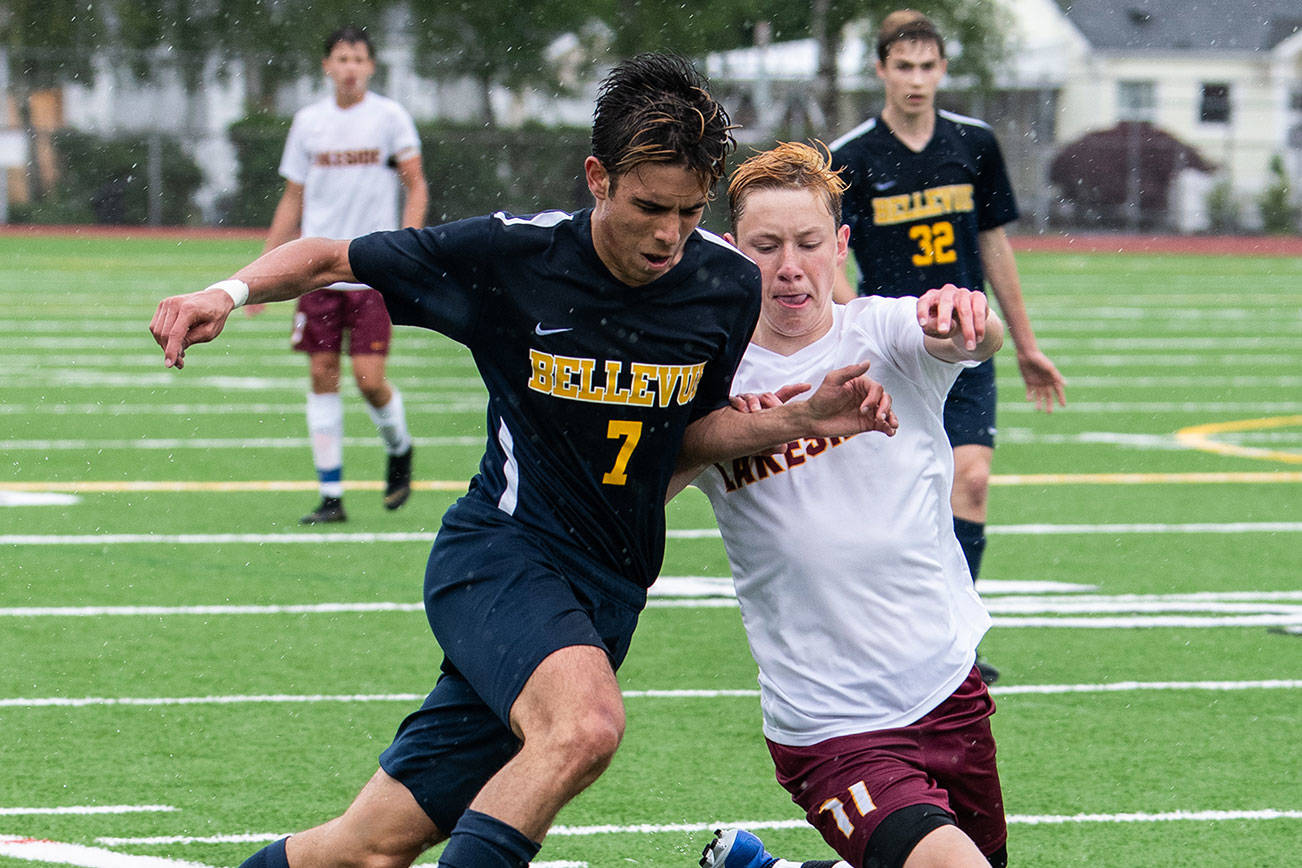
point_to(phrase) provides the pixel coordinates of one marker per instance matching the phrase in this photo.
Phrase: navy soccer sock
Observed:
(481, 841)
(270, 856)
(972, 537)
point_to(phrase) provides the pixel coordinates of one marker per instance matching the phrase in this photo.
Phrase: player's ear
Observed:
(728, 236)
(597, 177)
(842, 243)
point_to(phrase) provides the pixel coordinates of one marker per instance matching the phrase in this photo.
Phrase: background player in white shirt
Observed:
(865, 632)
(343, 162)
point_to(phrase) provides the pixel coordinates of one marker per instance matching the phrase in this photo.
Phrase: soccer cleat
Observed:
(330, 511)
(989, 674)
(736, 848)
(397, 485)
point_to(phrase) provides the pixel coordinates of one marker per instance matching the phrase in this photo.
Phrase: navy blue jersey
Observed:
(914, 215)
(591, 382)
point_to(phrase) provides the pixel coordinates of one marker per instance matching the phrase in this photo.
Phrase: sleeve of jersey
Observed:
(433, 278)
(996, 204)
(295, 161)
(891, 326)
(716, 382)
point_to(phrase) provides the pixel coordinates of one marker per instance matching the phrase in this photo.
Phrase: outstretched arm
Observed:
(286, 272)
(846, 402)
(958, 324)
(1043, 382)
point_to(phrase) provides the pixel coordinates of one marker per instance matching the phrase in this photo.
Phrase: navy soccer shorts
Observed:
(499, 601)
(970, 408)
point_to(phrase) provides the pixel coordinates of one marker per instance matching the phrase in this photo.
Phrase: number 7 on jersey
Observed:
(631, 432)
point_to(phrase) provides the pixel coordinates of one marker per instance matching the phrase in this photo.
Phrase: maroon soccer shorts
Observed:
(849, 784)
(324, 315)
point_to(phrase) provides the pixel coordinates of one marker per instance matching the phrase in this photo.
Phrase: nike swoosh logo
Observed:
(882, 186)
(542, 332)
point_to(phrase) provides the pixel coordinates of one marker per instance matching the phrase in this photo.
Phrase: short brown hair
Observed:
(656, 108)
(787, 166)
(906, 25)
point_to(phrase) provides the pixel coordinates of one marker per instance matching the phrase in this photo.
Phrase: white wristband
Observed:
(238, 290)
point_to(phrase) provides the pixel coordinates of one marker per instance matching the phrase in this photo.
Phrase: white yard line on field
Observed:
(351, 698)
(86, 809)
(697, 533)
(58, 853)
(1203, 816)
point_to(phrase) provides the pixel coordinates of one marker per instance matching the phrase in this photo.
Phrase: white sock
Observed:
(391, 421)
(325, 424)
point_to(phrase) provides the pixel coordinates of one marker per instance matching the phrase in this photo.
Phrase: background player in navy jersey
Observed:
(343, 162)
(607, 340)
(927, 202)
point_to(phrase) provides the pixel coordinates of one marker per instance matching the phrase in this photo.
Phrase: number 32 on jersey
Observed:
(935, 243)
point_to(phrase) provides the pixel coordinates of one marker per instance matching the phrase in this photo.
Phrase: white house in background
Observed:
(1224, 76)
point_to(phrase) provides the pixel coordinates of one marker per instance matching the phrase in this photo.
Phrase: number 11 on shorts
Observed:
(863, 803)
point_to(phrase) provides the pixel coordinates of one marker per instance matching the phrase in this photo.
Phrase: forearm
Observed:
(415, 191)
(727, 433)
(415, 206)
(1000, 268)
(955, 349)
(295, 268)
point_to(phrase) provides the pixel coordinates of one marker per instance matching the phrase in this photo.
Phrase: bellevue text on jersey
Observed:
(922, 204)
(639, 384)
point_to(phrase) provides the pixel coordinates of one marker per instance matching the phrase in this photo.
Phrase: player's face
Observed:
(911, 74)
(794, 239)
(350, 66)
(640, 229)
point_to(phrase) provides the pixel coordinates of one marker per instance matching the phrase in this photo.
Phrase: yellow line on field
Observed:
(121, 486)
(234, 485)
(1201, 437)
(1142, 478)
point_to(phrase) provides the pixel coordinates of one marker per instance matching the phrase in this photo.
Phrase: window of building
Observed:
(1136, 100)
(1215, 107)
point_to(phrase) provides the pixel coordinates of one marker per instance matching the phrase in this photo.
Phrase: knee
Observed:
(586, 745)
(375, 392)
(971, 488)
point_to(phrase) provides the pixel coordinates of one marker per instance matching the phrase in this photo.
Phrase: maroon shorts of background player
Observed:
(323, 316)
(849, 784)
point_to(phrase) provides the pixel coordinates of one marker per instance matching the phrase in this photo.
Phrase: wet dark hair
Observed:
(906, 25)
(350, 35)
(655, 108)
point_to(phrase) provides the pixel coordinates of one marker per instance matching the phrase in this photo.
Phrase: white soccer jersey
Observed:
(342, 156)
(857, 601)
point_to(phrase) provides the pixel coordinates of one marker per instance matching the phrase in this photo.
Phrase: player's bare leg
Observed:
(384, 827)
(970, 497)
(946, 847)
(570, 716)
(368, 370)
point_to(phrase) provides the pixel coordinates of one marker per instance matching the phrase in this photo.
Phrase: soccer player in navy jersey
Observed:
(927, 202)
(607, 339)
